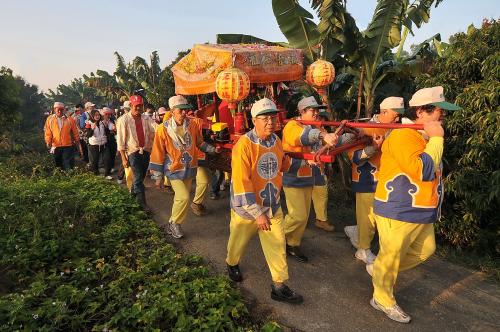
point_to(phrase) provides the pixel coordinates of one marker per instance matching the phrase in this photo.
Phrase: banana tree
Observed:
(129, 78)
(75, 92)
(337, 35)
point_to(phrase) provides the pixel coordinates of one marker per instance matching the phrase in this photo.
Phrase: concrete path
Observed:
(440, 296)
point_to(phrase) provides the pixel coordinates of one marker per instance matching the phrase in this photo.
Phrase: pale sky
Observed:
(53, 41)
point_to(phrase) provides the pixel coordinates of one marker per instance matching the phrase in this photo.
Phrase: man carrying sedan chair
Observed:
(365, 165)
(408, 197)
(257, 164)
(174, 154)
(303, 175)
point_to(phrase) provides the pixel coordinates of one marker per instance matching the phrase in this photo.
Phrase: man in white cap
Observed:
(408, 197)
(365, 165)
(61, 135)
(174, 155)
(257, 162)
(303, 175)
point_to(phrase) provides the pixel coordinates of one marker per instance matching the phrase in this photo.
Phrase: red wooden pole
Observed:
(362, 124)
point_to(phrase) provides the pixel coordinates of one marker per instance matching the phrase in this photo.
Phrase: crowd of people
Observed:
(396, 178)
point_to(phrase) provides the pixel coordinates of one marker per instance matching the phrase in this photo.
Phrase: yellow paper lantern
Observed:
(232, 85)
(320, 73)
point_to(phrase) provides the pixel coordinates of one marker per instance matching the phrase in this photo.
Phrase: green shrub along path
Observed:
(78, 254)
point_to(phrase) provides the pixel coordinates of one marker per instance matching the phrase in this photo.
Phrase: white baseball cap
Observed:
(89, 104)
(432, 96)
(58, 104)
(263, 106)
(162, 110)
(179, 102)
(397, 104)
(308, 102)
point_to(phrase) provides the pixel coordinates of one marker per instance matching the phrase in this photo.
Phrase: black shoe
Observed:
(285, 294)
(234, 273)
(296, 253)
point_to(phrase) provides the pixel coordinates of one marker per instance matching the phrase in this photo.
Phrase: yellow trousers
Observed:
(365, 219)
(320, 202)
(203, 178)
(403, 245)
(181, 199)
(298, 203)
(272, 242)
(166, 182)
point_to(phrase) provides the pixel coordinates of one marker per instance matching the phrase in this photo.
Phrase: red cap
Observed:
(136, 100)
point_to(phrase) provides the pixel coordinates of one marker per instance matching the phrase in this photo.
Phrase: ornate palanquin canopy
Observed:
(196, 72)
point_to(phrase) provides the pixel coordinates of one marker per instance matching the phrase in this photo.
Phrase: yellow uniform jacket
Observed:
(409, 183)
(256, 182)
(365, 163)
(175, 160)
(306, 139)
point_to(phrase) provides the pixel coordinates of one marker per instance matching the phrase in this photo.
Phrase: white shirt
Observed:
(99, 137)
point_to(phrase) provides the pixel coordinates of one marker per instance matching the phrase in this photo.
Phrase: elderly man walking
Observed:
(134, 138)
(61, 135)
(174, 155)
(408, 197)
(258, 161)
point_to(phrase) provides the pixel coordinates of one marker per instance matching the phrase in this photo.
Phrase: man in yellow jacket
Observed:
(365, 167)
(174, 155)
(408, 197)
(257, 162)
(302, 176)
(61, 135)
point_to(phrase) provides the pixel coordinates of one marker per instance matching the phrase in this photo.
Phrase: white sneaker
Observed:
(369, 269)
(352, 234)
(119, 181)
(175, 230)
(109, 177)
(395, 312)
(365, 255)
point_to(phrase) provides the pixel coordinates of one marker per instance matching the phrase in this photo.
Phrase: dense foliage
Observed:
(470, 73)
(78, 254)
(21, 105)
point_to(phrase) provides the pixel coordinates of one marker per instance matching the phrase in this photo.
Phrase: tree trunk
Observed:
(360, 91)
(369, 102)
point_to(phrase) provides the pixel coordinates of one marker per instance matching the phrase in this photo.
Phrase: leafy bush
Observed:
(470, 74)
(79, 254)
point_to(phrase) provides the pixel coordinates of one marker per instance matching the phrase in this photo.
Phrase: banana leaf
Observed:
(296, 24)
(425, 46)
(384, 31)
(418, 12)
